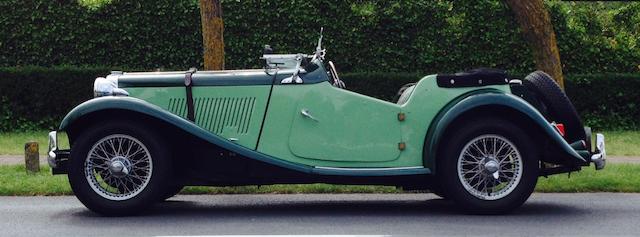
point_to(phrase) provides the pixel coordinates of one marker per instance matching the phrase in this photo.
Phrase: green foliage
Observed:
(597, 37)
(120, 34)
(424, 36)
(606, 100)
(94, 4)
(38, 98)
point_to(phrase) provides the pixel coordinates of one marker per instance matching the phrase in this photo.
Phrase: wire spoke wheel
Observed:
(118, 167)
(489, 167)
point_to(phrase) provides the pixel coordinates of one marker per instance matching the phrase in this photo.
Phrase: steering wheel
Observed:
(334, 78)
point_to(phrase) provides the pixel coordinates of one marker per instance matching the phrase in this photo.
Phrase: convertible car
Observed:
(479, 138)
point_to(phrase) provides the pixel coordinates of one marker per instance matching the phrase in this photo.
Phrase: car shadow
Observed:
(334, 208)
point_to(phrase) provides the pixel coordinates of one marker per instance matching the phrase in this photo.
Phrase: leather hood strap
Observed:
(189, 94)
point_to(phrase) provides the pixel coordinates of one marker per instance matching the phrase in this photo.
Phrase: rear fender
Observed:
(482, 98)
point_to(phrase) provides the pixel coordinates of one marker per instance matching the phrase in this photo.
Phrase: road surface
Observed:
(580, 214)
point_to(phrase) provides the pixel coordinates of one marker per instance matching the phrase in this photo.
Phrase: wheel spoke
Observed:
(475, 146)
(468, 162)
(94, 165)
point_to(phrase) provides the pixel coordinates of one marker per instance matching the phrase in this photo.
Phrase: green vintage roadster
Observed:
(478, 138)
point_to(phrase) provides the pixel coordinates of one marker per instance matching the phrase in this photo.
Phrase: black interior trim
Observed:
(472, 78)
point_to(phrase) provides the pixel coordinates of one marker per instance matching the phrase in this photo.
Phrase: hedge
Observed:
(361, 36)
(38, 98)
(606, 100)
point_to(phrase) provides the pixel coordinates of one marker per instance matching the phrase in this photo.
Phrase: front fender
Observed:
(143, 107)
(485, 98)
(118, 102)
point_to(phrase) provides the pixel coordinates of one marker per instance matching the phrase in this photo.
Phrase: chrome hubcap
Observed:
(489, 167)
(118, 167)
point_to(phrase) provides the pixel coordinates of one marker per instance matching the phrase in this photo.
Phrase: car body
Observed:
(291, 122)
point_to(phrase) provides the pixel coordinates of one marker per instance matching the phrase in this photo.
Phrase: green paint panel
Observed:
(233, 112)
(422, 108)
(344, 126)
(351, 131)
(353, 112)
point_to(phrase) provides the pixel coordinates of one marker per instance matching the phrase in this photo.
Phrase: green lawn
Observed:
(12, 143)
(622, 143)
(615, 178)
(619, 143)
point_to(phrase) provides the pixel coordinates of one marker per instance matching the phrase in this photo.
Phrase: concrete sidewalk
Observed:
(17, 159)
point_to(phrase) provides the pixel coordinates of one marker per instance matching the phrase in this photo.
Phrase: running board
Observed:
(413, 170)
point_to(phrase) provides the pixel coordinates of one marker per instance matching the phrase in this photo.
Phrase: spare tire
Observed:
(401, 96)
(558, 107)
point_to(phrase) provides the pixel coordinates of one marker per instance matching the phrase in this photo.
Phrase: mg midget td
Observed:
(479, 138)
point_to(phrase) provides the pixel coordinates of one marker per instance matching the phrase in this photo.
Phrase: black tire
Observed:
(438, 192)
(447, 166)
(559, 107)
(149, 194)
(171, 191)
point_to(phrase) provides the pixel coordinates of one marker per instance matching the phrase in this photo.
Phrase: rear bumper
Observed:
(599, 156)
(56, 158)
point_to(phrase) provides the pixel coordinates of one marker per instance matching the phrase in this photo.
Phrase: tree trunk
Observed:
(536, 25)
(212, 34)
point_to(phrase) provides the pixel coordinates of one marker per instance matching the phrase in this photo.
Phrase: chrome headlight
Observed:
(108, 86)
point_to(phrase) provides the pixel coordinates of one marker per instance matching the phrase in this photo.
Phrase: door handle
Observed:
(307, 114)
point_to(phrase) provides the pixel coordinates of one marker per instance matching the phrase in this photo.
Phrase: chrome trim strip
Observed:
(369, 169)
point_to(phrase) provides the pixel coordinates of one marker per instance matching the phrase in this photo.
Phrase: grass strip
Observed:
(622, 143)
(12, 143)
(615, 178)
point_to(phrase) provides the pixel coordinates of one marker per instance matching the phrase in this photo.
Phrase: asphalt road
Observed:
(596, 214)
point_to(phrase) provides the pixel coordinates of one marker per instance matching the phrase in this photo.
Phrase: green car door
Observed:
(330, 124)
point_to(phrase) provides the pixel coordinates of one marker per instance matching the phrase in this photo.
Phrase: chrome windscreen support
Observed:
(295, 78)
